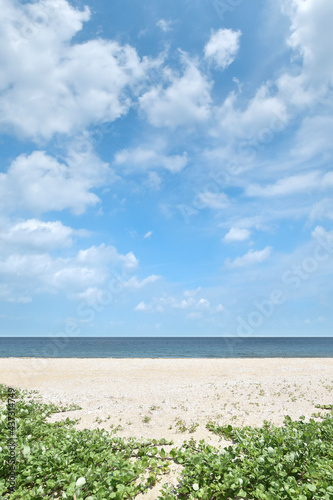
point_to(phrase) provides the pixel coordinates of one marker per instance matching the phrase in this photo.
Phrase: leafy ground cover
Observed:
(54, 460)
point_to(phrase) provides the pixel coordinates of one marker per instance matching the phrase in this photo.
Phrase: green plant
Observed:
(180, 425)
(54, 460)
(193, 428)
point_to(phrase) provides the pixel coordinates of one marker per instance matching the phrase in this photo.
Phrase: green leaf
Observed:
(311, 487)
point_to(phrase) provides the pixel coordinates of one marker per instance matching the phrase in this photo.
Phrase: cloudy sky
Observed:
(166, 167)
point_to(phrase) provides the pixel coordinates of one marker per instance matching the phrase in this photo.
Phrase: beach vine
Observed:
(57, 461)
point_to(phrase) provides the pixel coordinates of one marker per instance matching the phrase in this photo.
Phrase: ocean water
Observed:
(167, 347)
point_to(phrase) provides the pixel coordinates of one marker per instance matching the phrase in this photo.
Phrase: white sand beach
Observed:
(147, 397)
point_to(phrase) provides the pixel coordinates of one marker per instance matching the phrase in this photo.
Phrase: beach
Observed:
(122, 392)
(175, 398)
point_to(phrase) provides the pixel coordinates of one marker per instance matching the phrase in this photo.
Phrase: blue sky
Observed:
(166, 168)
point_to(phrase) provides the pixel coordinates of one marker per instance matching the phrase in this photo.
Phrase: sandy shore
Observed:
(147, 397)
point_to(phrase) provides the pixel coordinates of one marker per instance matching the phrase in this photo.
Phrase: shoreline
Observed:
(172, 358)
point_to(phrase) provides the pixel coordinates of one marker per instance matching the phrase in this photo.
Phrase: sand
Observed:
(147, 397)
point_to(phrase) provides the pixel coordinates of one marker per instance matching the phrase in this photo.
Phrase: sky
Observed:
(166, 168)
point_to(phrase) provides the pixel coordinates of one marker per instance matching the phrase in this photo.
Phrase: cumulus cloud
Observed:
(237, 234)
(312, 37)
(250, 258)
(28, 273)
(264, 116)
(103, 254)
(184, 102)
(304, 86)
(50, 85)
(188, 302)
(144, 159)
(40, 183)
(36, 235)
(222, 47)
(134, 283)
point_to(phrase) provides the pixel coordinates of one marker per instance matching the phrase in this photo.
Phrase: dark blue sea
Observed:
(167, 347)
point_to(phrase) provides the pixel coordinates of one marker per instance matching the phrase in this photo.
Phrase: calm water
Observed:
(166, 347)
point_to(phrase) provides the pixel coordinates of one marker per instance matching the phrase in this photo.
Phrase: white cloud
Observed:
(314, 137)
(90, 295)
(312, 37)
(104, 254)
(264, 116)
(299, 89)
(134, 283)
(185, 101)
(143, 159)
(142, 307)
(322, 210)
(153, 181)
(95, 294)
(27, 274)
(148, 234)
(250, 258)
(190, 302)
(7, 294)
(287, 186)
(164, 25)
(192, 293)
(40, 183)
(36, 235)
(129, 260)
(52, 86)
(319, 233)
(222, 47)
(237, 234)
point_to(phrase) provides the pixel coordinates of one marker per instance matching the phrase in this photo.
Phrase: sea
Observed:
(166, 347)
